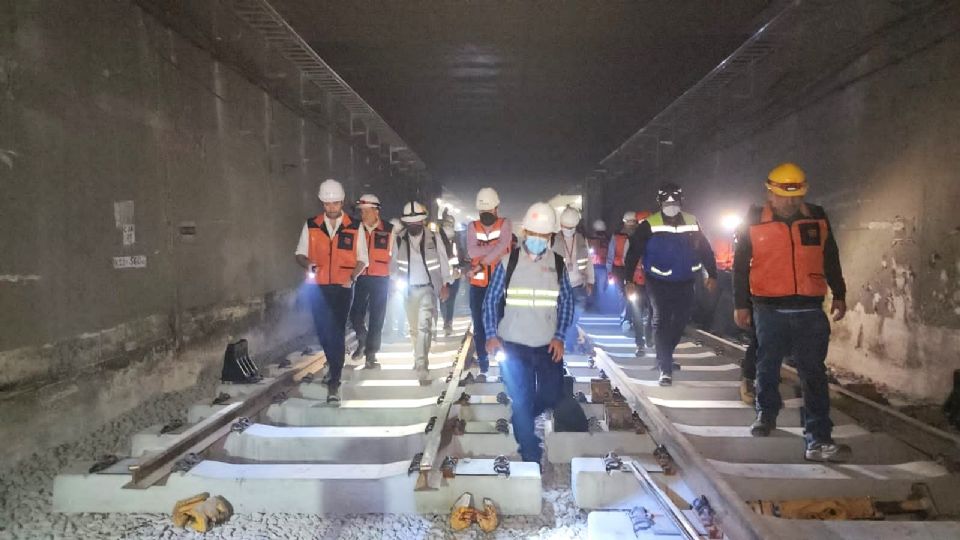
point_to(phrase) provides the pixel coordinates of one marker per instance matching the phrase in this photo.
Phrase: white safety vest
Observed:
(579, 266)
(530, 314)
(432, 249)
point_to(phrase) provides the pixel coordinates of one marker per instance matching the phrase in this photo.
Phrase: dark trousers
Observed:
(642, 317)
(534, 383)
(805, 335)
(672, 304)
(477, 294)
(331, 304)
(446, 308)
(748, 368)
(370, 297)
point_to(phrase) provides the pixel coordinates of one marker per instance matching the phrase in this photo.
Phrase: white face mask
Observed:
(567, 232)
(671, 210)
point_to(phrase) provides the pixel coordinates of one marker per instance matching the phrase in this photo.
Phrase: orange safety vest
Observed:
(723, 253)
(485, 238)
(379, 249)
(334, 257)
(788, 260)
(598, 249)
(619, 253)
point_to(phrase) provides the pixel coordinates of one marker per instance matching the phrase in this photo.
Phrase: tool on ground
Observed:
(919, 502)
(462, 513)
(488, 518)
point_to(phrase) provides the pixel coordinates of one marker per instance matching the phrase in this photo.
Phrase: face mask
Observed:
(488, 218)
(568, 232)
(415, 229)
(535, 244)
(671, 210)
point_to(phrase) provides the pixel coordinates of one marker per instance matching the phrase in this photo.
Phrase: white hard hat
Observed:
(331, 191)
(569, 217)
(540, 218)
(599, 225)
(629, 215)
(413, 212)
(487, 199)
(369, 201)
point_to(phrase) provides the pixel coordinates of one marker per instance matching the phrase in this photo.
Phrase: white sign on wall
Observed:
(131, 261)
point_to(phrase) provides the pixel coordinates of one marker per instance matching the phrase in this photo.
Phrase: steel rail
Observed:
(687, 529)
(736, 519)
(429, 462)
(152, 468)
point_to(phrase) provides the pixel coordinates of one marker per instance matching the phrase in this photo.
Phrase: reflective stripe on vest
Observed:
(534, 298)
(619, 253)
(336, 257)
(788, 260)
(484, 238)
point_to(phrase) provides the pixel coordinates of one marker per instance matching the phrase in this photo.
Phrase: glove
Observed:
(210, 512)
(180, 509)
(462, 514)
(488, 518)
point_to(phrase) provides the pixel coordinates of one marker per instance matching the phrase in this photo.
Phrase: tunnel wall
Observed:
(880, 151)
(151, 199)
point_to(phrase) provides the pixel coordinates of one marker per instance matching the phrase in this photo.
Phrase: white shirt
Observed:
(303, 247)
(418, 269)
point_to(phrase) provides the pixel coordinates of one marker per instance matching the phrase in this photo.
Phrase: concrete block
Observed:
(518, 494)
(596, 489)
(304, 412)
(362, 444)
(563, 447)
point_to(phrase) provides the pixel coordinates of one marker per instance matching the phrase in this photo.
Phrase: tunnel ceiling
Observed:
(545, 89)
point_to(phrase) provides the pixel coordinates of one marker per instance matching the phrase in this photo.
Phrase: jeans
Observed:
(420, 304)
(369, 296)
(477, 294)
(447, 307)
(672, 304)
(330, 306)
(534, 383)
(748, 368)
(642, 318)
(579, 305)
(805, 335)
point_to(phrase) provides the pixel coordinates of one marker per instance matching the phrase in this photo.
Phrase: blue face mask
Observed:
(535, 244)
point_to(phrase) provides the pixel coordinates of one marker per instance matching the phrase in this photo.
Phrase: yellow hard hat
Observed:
(787, 180)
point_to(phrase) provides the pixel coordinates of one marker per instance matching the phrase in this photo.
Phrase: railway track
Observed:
(396, 445)
(900, 467)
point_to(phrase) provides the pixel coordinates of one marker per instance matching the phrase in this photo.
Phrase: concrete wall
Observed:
(880, 150)
(110, 122)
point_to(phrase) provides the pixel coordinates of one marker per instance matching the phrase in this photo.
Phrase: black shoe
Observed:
(357, 354)
(333, 395)
(326, 378)
(371, 362)
(764, 424)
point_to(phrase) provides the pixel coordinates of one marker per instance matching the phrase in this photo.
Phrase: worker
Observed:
(448, 234)
(599, 245)
(373, 286)
(488, 240)
(538, 311)
(421, 266)
(572, 246)
(639, 307)
(674, 252)
(616, 258)
(786, 260)
(334, 254)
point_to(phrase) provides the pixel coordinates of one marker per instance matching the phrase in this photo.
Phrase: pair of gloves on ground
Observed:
(463, 514)
(201, 512)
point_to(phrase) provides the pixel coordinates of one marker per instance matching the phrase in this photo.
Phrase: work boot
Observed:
(371, 362)
(447, 330)
(666, 379)
(748, 392)
(765, 423)
(488, 518)
(333, 395)
(827, 451)
(358, 353)
(462, 513)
